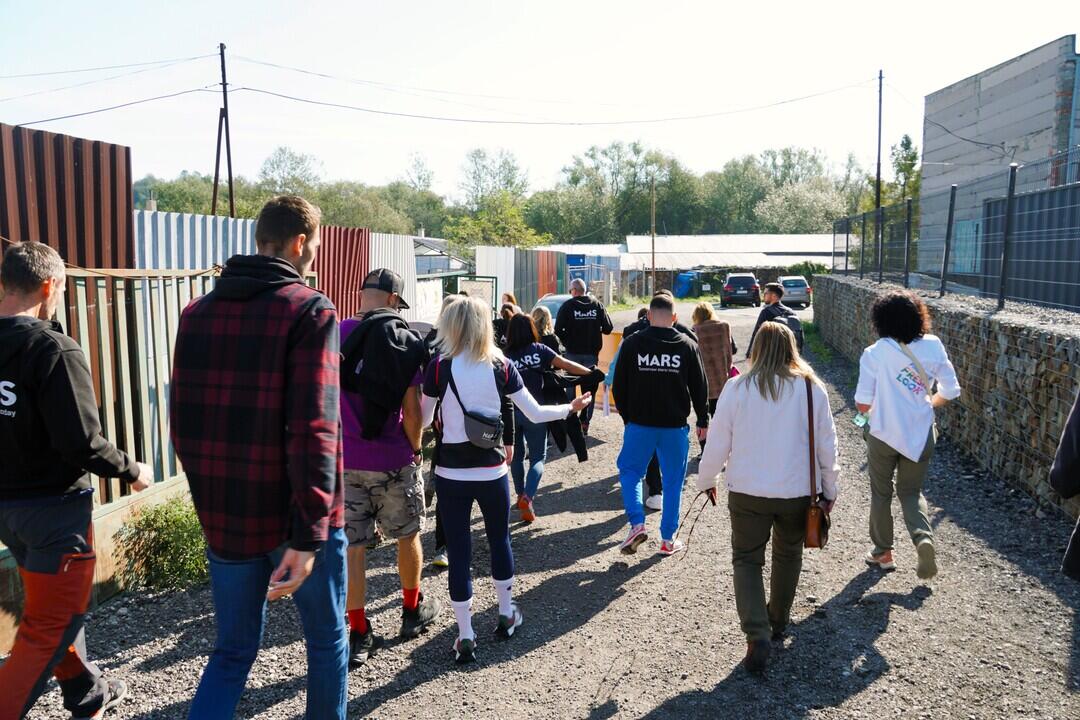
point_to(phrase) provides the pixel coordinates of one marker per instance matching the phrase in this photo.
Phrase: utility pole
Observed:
(223, 124)
(653, 223)
(877, 185)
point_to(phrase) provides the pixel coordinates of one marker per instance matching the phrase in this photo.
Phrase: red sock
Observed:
(358, 620)
(411, 597)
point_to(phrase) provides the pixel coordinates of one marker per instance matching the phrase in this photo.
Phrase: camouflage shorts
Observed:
(394, 499)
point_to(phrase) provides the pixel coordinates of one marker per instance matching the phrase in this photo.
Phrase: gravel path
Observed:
(995, 635)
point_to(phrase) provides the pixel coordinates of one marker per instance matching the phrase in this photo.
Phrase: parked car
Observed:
(552, 302)
(796, 290)
(741, 288)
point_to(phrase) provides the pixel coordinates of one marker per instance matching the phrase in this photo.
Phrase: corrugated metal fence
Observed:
(179, 241)
(341, 264)
(70, 193)
(397, 253)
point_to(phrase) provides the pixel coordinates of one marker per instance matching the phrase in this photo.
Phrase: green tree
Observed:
(730, 197)
(793, 165)
(906, 171)
(486, 176)
(499, 221)
(353, 204)
(423, 208)
(805, 207)
(287, 172)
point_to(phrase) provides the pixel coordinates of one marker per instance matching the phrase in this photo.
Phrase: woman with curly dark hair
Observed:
(896, 389)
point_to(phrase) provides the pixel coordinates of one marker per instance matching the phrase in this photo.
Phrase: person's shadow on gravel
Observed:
(829, 658)
(583, 595)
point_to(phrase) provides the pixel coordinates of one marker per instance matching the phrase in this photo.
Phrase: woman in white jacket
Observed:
(760, 432)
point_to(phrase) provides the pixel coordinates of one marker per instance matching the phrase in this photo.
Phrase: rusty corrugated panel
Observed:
(341, 264)
(71, 193)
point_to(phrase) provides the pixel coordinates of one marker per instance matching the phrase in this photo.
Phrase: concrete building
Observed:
(1024, 110)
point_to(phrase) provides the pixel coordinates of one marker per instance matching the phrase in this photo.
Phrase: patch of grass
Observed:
(163, 547)
(815, 343)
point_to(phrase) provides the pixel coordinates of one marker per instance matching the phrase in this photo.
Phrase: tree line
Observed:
(602, 195)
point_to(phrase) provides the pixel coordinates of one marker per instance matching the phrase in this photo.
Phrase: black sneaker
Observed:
(757, 656)
(362, 645)
(413, 622)
(508, 625)
(115, 693)
(464, 651)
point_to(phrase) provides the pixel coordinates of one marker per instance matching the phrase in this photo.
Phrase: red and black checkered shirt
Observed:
(255, 410)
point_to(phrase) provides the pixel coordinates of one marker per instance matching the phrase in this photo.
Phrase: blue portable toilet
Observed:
(684, 283)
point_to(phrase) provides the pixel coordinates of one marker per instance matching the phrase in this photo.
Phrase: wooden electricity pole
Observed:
(653, 215)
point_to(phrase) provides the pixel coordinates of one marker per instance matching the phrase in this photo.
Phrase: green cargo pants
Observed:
(753, 519)
(882, 462)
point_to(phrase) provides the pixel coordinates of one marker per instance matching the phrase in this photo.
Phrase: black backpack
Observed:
(794, 325)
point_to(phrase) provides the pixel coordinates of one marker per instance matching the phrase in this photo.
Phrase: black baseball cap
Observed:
(388, 281)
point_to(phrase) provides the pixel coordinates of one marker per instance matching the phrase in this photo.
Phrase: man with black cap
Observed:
(381, 373)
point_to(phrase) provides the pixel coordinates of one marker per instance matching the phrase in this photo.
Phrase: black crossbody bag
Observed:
(483, 430)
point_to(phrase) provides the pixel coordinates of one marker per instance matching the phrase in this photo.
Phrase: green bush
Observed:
(815, 343)
(808, 270)
(162, 547)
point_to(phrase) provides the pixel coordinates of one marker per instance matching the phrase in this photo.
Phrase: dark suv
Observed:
(741, 288)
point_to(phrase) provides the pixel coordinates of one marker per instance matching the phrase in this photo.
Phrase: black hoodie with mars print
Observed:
(658, 376)
(50, 434)
(581, 324)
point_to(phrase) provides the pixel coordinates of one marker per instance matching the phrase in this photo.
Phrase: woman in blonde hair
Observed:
(717, 349)
(768, 478)
(545, 328)
(477, 388)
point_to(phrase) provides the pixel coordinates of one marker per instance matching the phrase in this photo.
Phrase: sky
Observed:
(582, 61)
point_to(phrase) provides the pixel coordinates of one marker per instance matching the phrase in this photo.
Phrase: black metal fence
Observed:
(1012, 235)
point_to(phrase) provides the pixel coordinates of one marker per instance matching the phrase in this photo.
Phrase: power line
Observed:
(996, 147)
(106, 67)
(94, 82)
(114, 107)
(396, 87)
(561, 123)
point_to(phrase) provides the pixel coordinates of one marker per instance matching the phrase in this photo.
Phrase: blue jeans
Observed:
(535, 436)
(456, 498)
(239, 589)
(672, 447)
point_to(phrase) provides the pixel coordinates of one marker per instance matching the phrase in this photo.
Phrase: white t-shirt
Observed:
(901, 415)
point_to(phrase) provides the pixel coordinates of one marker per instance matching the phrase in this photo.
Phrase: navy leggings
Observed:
(456, 499)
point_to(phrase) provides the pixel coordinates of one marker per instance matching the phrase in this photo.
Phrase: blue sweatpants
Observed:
(672, 448)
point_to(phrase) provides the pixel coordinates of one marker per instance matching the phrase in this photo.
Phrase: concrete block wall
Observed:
(1019, 370)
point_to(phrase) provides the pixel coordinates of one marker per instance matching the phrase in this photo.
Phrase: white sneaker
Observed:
(440, 560)
(655, 502)
(633, 540)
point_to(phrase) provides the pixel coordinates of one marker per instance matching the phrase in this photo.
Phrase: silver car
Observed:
(796, 290)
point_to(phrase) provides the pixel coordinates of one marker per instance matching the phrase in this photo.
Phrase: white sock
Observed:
(463, 613)
(502, 589)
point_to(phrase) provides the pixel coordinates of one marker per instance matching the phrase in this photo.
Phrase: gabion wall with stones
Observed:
(1019, 370)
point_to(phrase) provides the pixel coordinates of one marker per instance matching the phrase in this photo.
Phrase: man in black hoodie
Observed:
(658, 377)
(1065, 479)
(50, 438)
(774, 308)
(581, 324)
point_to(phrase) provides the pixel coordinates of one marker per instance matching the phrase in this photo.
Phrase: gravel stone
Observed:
(996, 634)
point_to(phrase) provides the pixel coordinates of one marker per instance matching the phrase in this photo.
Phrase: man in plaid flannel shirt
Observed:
(255, 410)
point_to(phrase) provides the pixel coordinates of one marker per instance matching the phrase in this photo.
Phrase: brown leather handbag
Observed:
(817, 520)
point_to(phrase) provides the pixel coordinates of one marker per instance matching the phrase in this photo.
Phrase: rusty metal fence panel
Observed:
(71, 193)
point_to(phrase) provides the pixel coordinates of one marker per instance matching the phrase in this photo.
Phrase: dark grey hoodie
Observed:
(50, 434)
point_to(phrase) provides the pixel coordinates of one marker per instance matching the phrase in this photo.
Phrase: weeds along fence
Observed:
(1012, 235)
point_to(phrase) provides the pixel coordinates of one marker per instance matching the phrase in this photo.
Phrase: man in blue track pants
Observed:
(658, 377)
